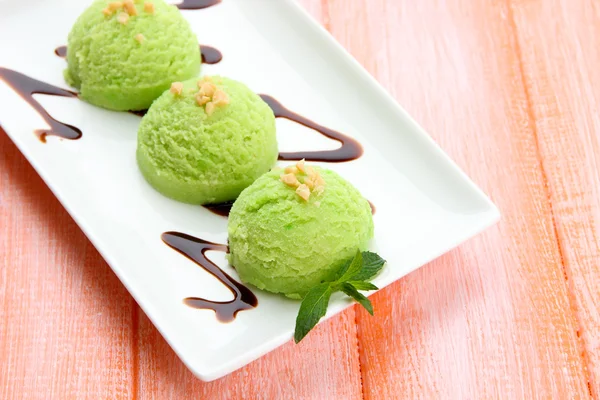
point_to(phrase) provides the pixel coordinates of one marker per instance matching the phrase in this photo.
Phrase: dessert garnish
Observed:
(350, 278)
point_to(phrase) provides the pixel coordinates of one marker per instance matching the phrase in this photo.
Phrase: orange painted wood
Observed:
(492, 319)
(560, 54)
(65, 319)
(508, 90)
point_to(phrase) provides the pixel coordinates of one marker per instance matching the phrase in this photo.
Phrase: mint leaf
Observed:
(372, 264)
(350, 278)
(352, 267)
(362, 285)
(313, 308)
(356, 295)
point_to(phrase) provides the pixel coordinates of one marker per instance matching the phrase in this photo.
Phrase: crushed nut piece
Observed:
(290, 180)
(139, 37)
(202, 100)
(210, 108)
(207, 88)
(210, 95)
(107, 11)
(130, 7)
(176, 88)
(115, 5)
(123, 18)
(303, 191)
(308, 170)
(220, 97)
(310, 182)
(149, 7)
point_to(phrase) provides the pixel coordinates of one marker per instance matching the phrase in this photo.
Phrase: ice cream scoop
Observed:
(122, 55)
(293, 229)
(205, 140)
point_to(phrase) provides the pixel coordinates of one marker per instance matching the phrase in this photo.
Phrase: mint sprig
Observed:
(351, 277)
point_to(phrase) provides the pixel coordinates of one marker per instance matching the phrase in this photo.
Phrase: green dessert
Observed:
(293, 229)
(206, 140)
(122, 55)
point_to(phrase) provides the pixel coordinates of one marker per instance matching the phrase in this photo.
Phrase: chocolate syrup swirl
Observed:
(210, 55)
(195, 249)
(26, 87)
(197, 4)
(373, 209)
(61, 51)
(350, 150)
(221, 209)
(139, 113)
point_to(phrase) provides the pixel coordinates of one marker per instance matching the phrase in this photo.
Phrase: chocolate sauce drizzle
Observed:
(350, 149)
(210, 55)
(373, 209)
(197, 4)
(26, 87)
(221, 209)
(139, 113)
(61, 51)
(195, 249)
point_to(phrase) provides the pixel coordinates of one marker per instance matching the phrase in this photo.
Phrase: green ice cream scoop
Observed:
(282, 241)
(123, 54)
(206, 140)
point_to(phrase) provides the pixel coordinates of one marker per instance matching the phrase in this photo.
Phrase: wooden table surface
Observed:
(511, 90)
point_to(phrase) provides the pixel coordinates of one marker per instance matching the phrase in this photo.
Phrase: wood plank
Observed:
(65, 319)
(560, 48)
(491, 319)
(324, 366)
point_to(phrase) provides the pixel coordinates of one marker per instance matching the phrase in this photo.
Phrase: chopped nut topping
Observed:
(177, 88)
(202, 100)
(107, 11)
(210, 95)
(123, 18)
(311, 182)
(308, 170)
(303, 191)
(220, 97)
(290, 180)
(149, 7)
(139, 37)
(115, 5)
(207, 88)
(130, 7)
(210, 108)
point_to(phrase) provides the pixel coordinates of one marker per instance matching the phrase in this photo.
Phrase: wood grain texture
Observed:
(507, 89)
(560, 56)
(65, 319)
(492, 319)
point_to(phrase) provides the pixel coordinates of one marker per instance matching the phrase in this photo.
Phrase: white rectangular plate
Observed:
(425, 204)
